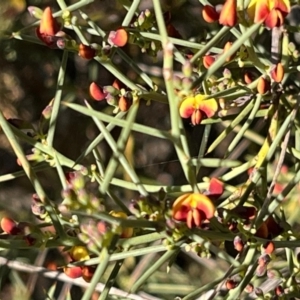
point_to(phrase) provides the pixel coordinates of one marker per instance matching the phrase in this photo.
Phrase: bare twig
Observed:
(23, 267)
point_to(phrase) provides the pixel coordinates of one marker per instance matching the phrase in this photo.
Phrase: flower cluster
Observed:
(79, 253)
(270, 12)
(115, 95)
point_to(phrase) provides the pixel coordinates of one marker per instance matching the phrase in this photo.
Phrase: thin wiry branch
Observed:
(56, 275)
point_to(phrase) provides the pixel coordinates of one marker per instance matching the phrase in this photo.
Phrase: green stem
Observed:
(57, 99)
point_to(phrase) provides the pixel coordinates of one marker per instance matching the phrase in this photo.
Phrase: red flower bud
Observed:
(118, 38)
(230, 284)
(269, 247)
(86, 52)
(124, 103)
(208, 60)
(48, 28)
(209, 14)
(238, 244)
(10, 226)
(97, 92)
(73, 272)
(248, 77)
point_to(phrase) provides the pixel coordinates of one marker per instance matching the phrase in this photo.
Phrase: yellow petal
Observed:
(187, 107)
(209, 107)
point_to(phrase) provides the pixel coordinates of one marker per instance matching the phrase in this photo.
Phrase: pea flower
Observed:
(271, 12)
(193, 209)
(197, 108)
(48, 28)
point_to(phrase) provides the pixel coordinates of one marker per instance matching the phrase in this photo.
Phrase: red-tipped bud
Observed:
(263, 85)
(230, 284)
(248, 77)
(86, 52)
(97, 92)
(279, 291)
(269, 247)
(118, 38)
(277, 72)
(209, 14)
(238, 244)
(48, 28)
(208, 60)
(124, 103)
(10, 226)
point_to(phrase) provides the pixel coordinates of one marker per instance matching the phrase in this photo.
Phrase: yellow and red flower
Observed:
(271, 12)
(197, 108)
(193, 208)
(48, 28)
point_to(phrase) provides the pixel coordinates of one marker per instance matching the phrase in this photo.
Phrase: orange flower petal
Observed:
(187, 107)
(261, 11)
(182, 213)
(183, 199)
(205, 205)
(47, 29)
(272, 20)
(228, 15)
(209, 107)
(48, 24)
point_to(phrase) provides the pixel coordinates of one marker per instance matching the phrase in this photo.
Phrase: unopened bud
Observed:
(263, 85)
(86, 52)
(208, 60)
(277, 73)
(124, 103)
(209, 14)
(238, 244)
